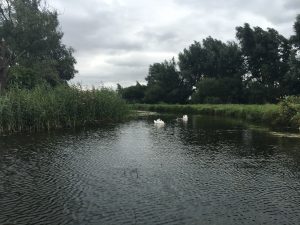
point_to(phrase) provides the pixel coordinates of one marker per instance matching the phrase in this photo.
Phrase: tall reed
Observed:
(45, 108)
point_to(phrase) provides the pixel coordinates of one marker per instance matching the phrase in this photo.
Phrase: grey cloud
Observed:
(276, 11)
(129, 62)
(97, 32)
(119, 75)
(156, 36)
(292, 5)
(136, 60)
(122, 37)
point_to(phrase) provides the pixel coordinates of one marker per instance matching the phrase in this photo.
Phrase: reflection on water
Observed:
(208, 171)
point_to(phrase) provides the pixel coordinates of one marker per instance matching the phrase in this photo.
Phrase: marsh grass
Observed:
(45, 108)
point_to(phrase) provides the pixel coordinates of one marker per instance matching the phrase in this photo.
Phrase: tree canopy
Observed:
(295, 39)
(212, 59)
(266, 53)
(133, 94)
(31, 42)
(261, 67)
(165, 83)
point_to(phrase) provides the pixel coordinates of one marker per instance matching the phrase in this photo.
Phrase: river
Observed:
(207, 171)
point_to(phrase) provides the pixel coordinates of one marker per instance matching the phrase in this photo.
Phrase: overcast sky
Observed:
(117, 40)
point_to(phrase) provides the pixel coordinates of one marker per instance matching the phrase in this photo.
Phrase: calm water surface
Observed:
(208, 171)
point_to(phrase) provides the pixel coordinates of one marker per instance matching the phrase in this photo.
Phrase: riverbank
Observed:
(61, 107)
(269, 114)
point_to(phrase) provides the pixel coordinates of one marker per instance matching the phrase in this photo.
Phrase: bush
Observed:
(290, 111)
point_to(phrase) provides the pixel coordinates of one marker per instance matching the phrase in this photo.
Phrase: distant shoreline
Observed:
(269, 114)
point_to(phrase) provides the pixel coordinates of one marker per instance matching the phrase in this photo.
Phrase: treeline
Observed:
(261, 68)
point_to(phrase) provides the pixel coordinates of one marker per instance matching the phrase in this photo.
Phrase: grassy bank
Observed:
(271, 114)
(61, 107)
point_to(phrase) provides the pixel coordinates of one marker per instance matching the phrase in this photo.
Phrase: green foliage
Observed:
(292, 78)
(155, 93)
(256, 92)
(295, 39)
(211, 100)
(211, 59)
(222, 90)
(266, 56)
(133, 94)
(165, 84)
(284, 114)
(262, 68)
(291, 99)
(266, 53)
(20, 76)
(290, 111)
(30, 33)
(61, 107)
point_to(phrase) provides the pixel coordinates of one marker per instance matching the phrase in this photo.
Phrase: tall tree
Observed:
(212, 63)
(211, 59)
(266, 54)
(134, 94)
(30, 35)
(295, 39)
(191, 63)
(165, 83)
(292, 78)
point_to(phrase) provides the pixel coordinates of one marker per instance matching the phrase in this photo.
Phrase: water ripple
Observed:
(208, 171)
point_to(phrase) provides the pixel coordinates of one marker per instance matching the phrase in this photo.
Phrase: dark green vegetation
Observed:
(261, 68)
(60, 107)
(285, 114)
(31, 48)
(34, 69)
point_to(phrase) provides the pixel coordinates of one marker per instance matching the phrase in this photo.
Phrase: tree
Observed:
(266, 55)
(212, 62)
(218, 90)
(134, 94)
(165, 83)
(211, 59)
(191, 63)
(31, 38)
(292, 78)
(295, 39)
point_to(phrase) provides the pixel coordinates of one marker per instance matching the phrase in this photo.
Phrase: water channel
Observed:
(206, 171)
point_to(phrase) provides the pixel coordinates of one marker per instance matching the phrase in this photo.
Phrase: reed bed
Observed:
(45, 108)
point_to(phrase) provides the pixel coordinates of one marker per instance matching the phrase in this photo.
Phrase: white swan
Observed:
(185, 118)
(159, 122)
